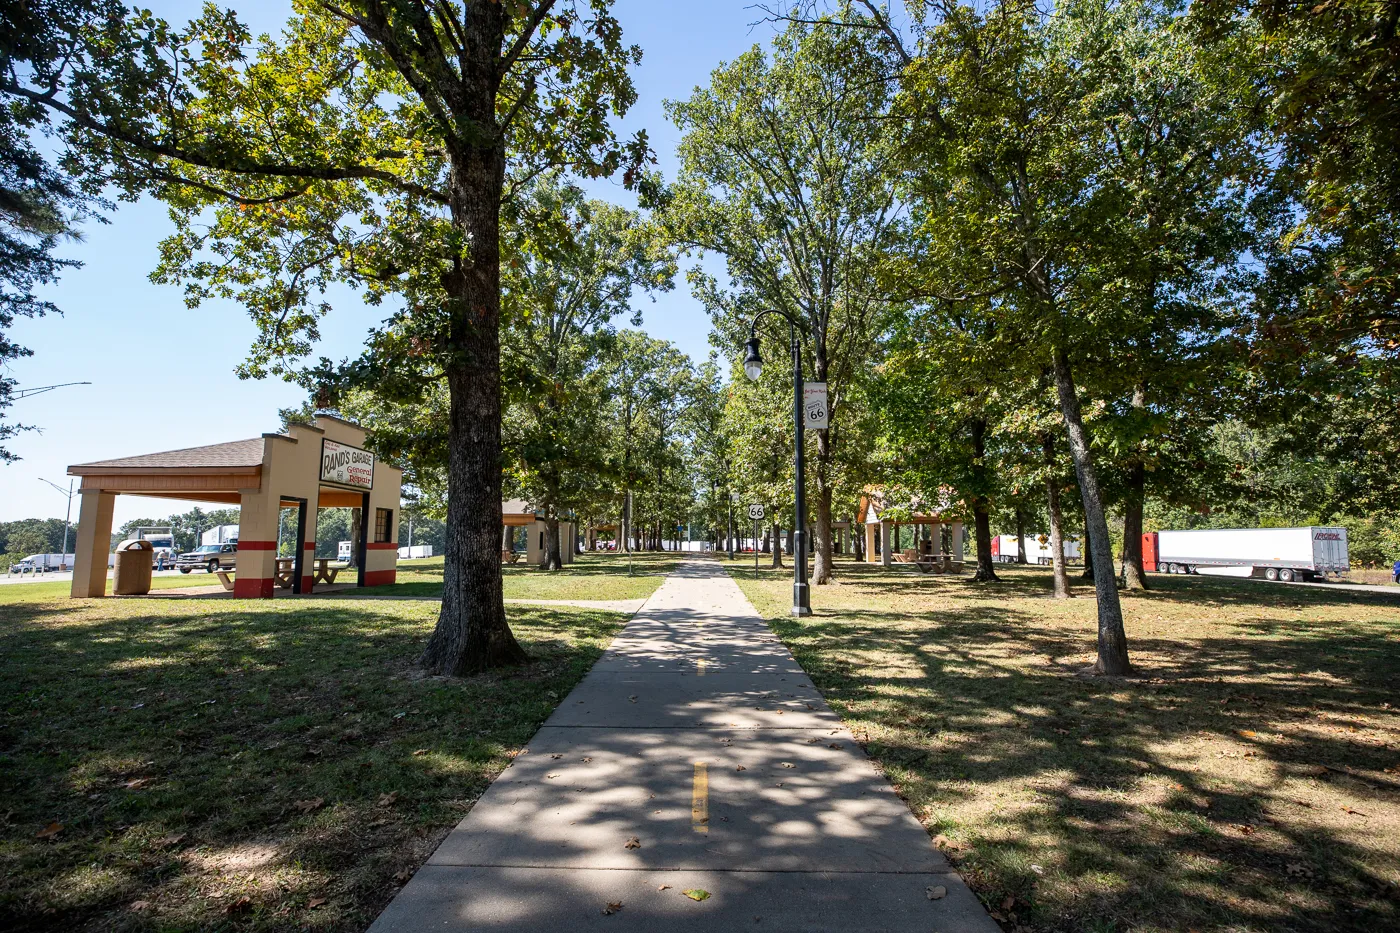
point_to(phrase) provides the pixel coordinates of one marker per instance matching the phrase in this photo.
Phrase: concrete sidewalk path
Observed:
(695, 755)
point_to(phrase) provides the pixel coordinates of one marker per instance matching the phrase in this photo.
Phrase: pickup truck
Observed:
(208, 557)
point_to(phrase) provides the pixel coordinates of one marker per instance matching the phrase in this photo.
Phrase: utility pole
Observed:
(67, 517)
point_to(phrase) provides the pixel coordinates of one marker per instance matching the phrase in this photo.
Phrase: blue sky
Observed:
(132, 339)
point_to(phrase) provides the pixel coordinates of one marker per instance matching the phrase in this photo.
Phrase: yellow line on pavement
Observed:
(700, 799)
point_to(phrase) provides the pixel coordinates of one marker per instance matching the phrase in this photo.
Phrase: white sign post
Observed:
(815, 410)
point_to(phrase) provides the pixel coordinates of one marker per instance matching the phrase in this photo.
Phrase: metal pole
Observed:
(729, 538)
(67, 521)
(801, 601)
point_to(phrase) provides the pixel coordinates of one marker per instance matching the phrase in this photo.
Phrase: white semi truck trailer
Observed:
(1005, 549)
(1285, 554)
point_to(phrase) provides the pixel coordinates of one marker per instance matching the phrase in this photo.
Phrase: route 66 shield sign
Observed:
(815, 411)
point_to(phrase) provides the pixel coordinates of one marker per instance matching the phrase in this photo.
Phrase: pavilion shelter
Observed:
(312, 466)
(936, 538)
(517, 514)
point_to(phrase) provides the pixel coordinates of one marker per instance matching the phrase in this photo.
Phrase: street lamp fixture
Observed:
(753, 368)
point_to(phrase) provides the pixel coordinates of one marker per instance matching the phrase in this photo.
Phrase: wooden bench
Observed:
(509, 557)
(226, 578)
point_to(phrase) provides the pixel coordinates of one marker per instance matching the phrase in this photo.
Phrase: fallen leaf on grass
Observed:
(140, 905)
(49, 831)
(403, 875)
(1346, 809)
(174, 839)
(388, 800)
(936, 892)
(633, 843)
(612, 908)
(138, 783)
(696, 894)
(1009, 903)
(306, 806)
(835, 745)
(315, 902)
(241, 906)
(419, 751)
(1245, 829)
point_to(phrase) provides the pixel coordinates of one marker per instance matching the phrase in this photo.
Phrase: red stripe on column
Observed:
(307, 583)
(383, 546)
(252, 587)
(310, 546)
(257, 545)
(380, 577)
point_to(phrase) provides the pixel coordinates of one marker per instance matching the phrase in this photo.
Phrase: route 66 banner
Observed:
(815, 411)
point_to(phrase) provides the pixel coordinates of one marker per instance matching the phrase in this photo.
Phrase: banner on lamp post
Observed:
(815, 410)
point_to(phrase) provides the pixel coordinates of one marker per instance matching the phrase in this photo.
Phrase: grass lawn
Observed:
(1247, 778)
(245, 765)
(59, 589)
(594, 575)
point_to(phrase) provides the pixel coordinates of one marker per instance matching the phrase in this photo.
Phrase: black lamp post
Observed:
(753, 368)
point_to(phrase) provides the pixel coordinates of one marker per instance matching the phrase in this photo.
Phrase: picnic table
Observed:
(324, 572)
(286, 569)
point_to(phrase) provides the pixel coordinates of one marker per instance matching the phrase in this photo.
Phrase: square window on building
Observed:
(383, 524)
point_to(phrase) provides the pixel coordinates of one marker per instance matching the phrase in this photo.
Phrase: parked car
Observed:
(208, 557)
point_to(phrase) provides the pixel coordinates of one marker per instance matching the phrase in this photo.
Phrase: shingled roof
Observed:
(230, 455)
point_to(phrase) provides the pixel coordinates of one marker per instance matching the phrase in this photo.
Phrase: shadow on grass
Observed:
(1245, 779)
(224, 764)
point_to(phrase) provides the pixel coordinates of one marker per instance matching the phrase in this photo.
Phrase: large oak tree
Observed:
(375, 143)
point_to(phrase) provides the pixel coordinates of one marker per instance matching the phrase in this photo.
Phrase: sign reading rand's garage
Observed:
(346, 466)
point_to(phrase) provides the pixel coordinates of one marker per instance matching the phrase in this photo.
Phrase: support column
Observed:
(869, 543)
(958, 544)
(256, 563)
(885, 544)
(94, 543)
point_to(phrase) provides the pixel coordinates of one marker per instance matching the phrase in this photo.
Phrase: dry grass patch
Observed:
(1247, 778)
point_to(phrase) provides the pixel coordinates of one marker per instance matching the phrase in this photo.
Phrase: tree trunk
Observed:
(553, 552)
(1088, 573)
(1057, 521)
(823, 569)
(981, 517)
(776, 532)
(356, 529)
(472, 633)
(1113, 640)
(1134, 576)
(1021, 535)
